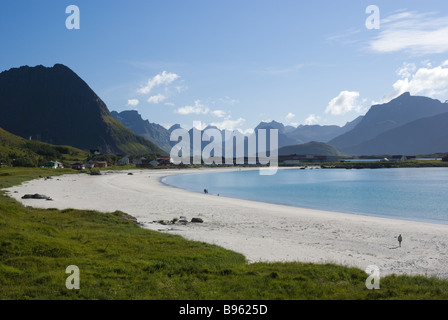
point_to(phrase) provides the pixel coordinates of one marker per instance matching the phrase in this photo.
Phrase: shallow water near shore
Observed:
(418, 194)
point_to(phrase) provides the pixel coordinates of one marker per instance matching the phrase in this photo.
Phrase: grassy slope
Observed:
(34, 153)
(129, 142)
(311, 148)
(120, 260)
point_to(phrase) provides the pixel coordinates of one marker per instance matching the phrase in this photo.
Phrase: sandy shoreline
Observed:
(260, 231)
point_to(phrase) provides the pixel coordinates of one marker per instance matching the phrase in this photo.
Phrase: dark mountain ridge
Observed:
(55, 105)
(154, 132)
(423, 136)
(382, 118)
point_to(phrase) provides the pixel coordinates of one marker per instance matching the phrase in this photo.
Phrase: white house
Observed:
(53, 165)
(124, 161)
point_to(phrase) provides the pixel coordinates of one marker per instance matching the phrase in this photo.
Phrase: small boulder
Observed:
(197, 220)
(36, 196)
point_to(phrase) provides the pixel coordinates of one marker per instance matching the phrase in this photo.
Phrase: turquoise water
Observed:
(407, 193)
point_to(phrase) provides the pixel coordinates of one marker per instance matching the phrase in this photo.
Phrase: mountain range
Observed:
(161, 136)
(154, 132)
(423, 136)
(405, 125)
(288, 135)
(56, 106)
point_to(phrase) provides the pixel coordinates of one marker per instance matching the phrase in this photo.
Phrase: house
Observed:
(124, 161)
(53, 165)
(100, 164)
(78, 166)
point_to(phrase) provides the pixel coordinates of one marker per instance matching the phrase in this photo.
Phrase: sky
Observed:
(235, 63)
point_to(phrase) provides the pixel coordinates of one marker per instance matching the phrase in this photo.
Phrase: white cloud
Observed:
(156, 99)
(346, 37)
(407, 70)
(180, 88)
(346, 101)
(289, 120)
(246, 131)
(414, 32)
(229, 100)
(164, 78)
(199, 125)
(133, 103)
(228, 124)
(397, 16)
(198, 108)
(427, 63)
(424, 81)
(219, 113)
(312, 120)
(428, 81)
(170, 104)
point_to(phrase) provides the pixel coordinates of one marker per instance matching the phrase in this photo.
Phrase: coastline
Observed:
(317, 207)
(260, 231)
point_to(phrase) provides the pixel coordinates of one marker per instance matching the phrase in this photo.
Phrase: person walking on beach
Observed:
(400, 238)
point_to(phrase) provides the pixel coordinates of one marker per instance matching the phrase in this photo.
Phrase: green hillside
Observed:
(19, 152)
(127, 141)
(311, 148)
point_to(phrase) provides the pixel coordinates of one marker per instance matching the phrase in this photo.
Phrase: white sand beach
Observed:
(260, 231)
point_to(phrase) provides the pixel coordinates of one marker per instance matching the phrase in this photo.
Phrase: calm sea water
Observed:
(408, 193)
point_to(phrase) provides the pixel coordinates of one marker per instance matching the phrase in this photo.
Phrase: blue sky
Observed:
(235, 63)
